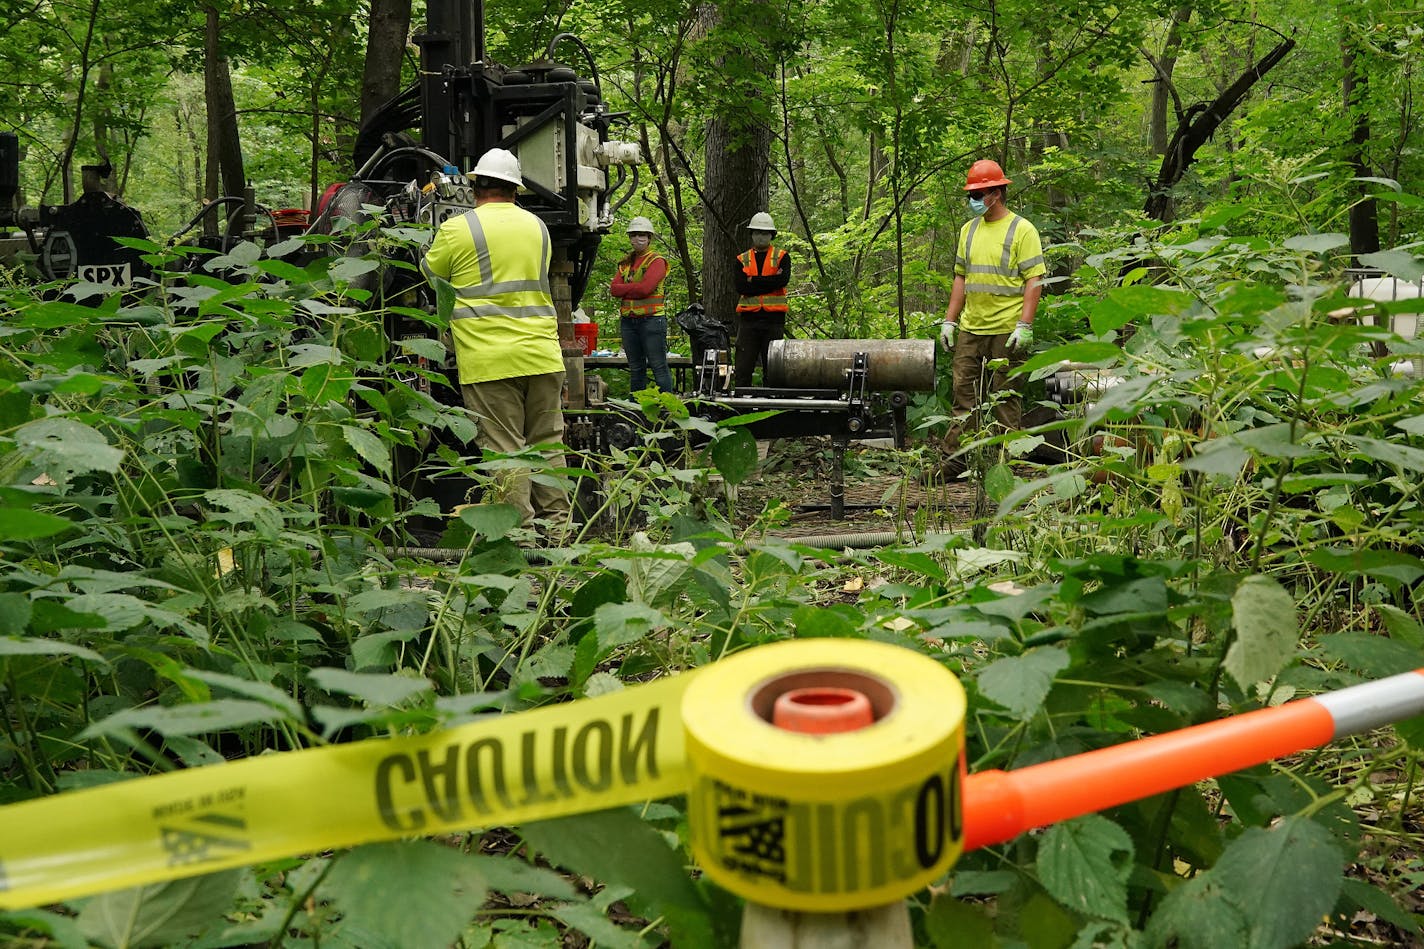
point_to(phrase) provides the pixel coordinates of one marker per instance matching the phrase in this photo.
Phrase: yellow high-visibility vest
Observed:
(504, 323)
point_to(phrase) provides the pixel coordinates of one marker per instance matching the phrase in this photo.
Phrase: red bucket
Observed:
(587, 335)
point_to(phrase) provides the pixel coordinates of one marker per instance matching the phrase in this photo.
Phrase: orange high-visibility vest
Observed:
(648, 306)
(773, 301)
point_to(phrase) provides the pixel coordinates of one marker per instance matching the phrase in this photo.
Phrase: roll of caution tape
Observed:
(811, 822)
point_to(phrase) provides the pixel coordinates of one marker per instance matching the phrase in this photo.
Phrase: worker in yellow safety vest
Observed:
(763, 272)
(998, 281)
(638, 286)
(505, 328)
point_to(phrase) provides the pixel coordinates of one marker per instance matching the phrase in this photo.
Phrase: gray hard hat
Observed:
(761, 221)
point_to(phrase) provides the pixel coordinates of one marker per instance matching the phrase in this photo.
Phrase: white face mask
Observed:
(640, 242)
(761, 240)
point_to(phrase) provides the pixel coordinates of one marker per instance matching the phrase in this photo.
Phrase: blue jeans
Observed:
(645, 343)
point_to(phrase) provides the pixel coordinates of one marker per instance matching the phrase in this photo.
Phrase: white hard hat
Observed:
(640, 225)
(499, 164)
(761, 221)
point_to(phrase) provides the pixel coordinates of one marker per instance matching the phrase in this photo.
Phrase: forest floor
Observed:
(790, 493)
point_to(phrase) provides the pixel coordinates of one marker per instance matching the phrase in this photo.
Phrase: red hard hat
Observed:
(985, 173)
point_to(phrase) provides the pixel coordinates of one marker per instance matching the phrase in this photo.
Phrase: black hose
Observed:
(592, 66)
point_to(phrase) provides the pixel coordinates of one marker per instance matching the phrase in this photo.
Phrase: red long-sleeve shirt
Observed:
(623, 289)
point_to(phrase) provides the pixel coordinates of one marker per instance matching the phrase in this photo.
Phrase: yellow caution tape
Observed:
(804, 822)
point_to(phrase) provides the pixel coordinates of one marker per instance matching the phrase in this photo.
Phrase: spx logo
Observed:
(197, 830)
(110, 275)
(837, 846)
(752, 828)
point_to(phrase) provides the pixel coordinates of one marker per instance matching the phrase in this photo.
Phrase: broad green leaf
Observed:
(618, 624)
(593, 923)
(1263, 615)
(1125, 304)
(374, 689)
(1401, 625)
(952, 924)
(196, 718)
(517, 876)
(261, 691)
(1317, 243)
(1392, 566)
(21, 524)
(1396, 263)
(657, 572)
(999, 482)
(371, 449)
(1371, 655)
(1218, 456)
(813, 622)
(46, 647)
(1373, 900)
(735, 455)
(616, 846)
(1284, 880)
(64, 447)
(1404, 456)
(491, 521)
(1021, 683)
(1197, 915)
(245, 509)
(1086, 351)
(405, 893)
(63, 930)
(1084, 864)
(15, 612)
(162, 914)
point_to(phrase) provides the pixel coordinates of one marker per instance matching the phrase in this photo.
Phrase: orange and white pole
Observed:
(1000, 805)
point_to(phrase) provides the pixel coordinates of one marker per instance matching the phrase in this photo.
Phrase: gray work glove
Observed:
(948, 330)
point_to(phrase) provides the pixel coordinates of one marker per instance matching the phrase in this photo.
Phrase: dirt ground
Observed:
(882, 492)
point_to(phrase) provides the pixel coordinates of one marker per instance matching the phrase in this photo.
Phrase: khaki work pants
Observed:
(974, 382)
(513, 414)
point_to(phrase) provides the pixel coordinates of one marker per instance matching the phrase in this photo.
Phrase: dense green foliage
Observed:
(203, 559)
(203, 527)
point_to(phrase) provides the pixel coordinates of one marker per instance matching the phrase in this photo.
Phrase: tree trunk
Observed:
(1163, 90)
(385, 52)
(738, 157)
(1364, 216)
(1196, 128)
(224, 146)
(737, 187)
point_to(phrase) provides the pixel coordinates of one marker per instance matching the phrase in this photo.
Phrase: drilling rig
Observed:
(412, 152)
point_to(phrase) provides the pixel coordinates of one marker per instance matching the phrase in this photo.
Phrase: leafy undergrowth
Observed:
(207, 530)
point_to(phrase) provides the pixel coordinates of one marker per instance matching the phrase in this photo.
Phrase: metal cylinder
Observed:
(906, 364)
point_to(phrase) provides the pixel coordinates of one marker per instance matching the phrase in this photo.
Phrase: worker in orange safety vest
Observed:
(638, 287)
(763, 273)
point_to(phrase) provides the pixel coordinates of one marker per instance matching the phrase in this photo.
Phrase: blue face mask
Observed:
(977, 206)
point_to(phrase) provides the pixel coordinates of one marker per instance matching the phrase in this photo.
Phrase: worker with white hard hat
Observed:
(763, 272)
(642, 325)
(505, 328)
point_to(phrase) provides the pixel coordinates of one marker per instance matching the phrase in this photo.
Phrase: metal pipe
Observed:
(749, 402)
(906, 364)
(891, 364)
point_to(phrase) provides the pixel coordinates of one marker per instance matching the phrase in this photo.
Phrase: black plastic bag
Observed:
(703, 331)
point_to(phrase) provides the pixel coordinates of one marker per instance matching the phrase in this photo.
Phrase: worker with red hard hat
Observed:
(998, 280)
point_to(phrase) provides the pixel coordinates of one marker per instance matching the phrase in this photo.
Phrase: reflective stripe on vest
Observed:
(773, 301)
(519, 299)
(1006, 274)
(648, 306)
